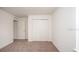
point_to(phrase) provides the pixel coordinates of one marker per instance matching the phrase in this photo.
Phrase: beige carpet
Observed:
(24, 46)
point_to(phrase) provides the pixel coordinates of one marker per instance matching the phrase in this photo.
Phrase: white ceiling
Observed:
(24, 11)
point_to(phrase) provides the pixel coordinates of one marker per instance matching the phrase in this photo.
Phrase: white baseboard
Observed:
(7, 43)
(76, 50)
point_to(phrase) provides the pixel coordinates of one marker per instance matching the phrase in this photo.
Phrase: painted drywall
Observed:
(39, 30)
(6, 28)
(21, 28)
(63, 29)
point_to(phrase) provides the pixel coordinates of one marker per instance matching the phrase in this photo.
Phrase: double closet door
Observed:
(40, 29)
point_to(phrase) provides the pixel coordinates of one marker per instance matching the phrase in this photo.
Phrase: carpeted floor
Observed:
(35, 46)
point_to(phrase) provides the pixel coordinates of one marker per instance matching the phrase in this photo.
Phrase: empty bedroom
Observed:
(37, 29)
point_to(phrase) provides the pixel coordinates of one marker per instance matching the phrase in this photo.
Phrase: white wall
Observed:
(63, 25)
(32, 30)
(6, 28)
(21, 28)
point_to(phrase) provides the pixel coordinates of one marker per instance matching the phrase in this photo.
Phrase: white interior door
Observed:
(40, 30)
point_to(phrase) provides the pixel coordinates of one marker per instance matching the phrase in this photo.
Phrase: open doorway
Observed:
(20, 29)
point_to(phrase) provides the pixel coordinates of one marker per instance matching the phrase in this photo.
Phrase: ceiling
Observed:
(24, 11)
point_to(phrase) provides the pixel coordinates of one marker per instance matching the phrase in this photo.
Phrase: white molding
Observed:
(76, 50)
(7, 43)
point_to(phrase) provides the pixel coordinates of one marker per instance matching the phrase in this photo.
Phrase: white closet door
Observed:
(40, 30)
